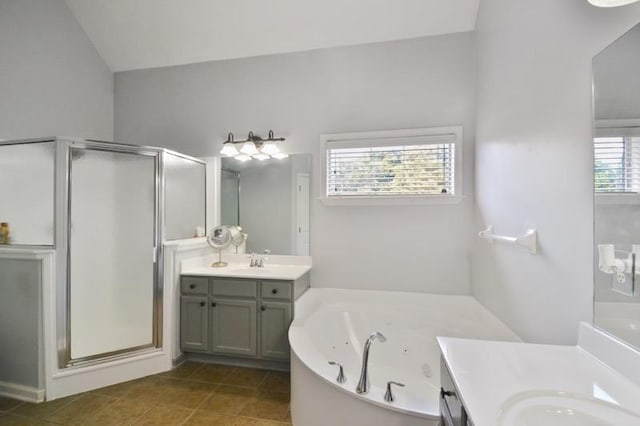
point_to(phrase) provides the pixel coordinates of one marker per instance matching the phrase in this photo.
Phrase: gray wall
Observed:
(266, 194)
(534, 158)
(423, 82)
(52, 80)
(20, 322)
(616, 82)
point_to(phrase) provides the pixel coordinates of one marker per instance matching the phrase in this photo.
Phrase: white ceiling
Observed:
(133, 34)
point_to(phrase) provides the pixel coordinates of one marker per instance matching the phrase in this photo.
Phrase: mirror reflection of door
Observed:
(302, 214)
(230, 196)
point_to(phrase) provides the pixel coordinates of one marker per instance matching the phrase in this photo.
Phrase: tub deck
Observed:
(333, 324)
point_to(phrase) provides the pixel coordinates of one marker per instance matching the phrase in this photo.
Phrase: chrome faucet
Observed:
(257, 260)
(363, 383)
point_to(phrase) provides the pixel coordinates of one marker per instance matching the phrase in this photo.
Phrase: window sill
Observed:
(392, 200)
(617, 198)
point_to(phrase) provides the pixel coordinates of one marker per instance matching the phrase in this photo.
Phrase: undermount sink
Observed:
(556, 408)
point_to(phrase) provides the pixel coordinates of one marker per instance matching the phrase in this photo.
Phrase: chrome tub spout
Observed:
(363, 383)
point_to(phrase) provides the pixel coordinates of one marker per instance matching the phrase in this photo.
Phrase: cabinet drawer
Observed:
(237, 288)
(194, 285)
(276, 289)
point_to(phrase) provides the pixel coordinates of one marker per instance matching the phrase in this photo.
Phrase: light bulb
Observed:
(270, 148)
(261, 156)
(249, 148)
(611, 3)
(243, 157)
(229, 149)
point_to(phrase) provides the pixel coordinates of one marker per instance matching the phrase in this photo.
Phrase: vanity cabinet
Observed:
(233, 326)
(194, 329)
(238, 317)
(194, 323)
(452, 412)
(275, 318)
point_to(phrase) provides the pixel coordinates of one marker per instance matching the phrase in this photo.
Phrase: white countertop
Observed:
(242, 270)
(492, 375)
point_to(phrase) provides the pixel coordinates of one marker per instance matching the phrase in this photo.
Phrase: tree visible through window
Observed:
(391, 170)
(616, 164)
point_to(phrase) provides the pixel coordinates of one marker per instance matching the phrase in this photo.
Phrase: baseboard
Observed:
(179, 360)
(239, 362)
(23, 393)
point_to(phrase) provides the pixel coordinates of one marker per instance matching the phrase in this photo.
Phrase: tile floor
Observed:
(192, 394)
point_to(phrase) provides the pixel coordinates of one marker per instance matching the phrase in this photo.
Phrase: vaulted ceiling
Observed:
(133, 34)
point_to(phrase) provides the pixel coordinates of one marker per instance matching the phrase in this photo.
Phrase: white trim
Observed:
(47, 274)
(175, 253)
(414, 200)
(617, 128)
(617, 123)
(24, 253)
(422, 135)
(65, 383)
(616, 198)
(22, 393)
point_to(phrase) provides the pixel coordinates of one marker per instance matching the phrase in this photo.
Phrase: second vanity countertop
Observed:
(498, 381)
(242, 270)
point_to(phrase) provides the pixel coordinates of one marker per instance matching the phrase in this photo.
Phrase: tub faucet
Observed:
(363, 383)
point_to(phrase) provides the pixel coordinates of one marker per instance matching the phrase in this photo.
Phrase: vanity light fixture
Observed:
(611, 3)
(253, 147)
(260, 156)
(228, 147)
(249, 148)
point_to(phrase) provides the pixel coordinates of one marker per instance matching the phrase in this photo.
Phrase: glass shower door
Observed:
(112, 238)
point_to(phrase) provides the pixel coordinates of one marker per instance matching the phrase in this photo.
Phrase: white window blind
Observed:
(616, 164)
(404, 165)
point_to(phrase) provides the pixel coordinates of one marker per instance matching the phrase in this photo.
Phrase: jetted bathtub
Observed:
(333, 325)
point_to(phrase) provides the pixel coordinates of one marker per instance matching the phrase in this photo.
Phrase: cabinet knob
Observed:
(213, 304)
(202, 303)
(262, 308)
(444, 393)
(192, 286)
(274, 291)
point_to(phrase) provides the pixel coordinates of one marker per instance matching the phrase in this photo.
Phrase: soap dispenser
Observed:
(4, 233)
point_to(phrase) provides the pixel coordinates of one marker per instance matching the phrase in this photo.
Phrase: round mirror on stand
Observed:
(219, 238)
(237, 236)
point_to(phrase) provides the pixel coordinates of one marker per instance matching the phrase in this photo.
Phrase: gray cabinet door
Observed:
(233, 326)
(193, 323)
(275, 318)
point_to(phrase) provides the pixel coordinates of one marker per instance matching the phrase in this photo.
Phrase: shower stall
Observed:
(104, 211)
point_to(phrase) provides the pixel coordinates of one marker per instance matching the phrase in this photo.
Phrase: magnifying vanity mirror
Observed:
(616, 103)
(219, 238)
(270, 200)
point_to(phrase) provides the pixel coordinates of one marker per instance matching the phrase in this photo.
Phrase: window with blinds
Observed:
(616, 166)
(418, 162)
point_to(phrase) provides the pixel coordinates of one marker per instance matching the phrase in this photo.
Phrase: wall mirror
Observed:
(185, 194)
(616, 103)
(270, 200)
